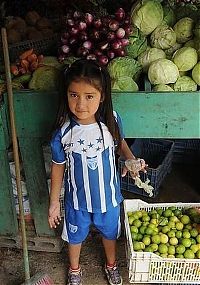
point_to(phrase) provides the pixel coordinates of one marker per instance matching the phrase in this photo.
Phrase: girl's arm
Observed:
(57, 173)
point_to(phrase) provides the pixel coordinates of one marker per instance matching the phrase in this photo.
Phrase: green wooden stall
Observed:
(144, 115)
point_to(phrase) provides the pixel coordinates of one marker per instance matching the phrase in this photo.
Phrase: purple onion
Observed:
(127, 20)
(116, 44)
(64, 41)
(111, 36)
(97, 52)
(83, 36)
(113, 25)
(111, 54)
(120, 52)
(70, 22)
(97, 23)
(65, 49)
(120, 14)
(72, 40)
(88, 18)
(76, 15)
(124, 42)
(103, 59)
(82, 51)
(87, 45)
(120, 33)
(91, 56)
(103, 45)
(128, 30)
(82, 26)
(74, 30)
(106, 20)
(95, 35)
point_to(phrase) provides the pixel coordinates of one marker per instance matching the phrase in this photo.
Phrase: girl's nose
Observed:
(81, 103)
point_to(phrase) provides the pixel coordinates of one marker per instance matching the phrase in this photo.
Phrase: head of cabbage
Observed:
(147, 15)
(169, 17)
(163, 37)
(124, 83)
(185, 83)
(185, 58)
(184, 29)
(163, 71)
(162, 88)
(196, 73)
(124, 66)
(150, 55)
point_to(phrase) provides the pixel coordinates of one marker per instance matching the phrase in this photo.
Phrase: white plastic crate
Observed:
(147, 267)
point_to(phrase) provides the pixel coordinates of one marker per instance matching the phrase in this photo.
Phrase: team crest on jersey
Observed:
(92, 162)
(73, 229)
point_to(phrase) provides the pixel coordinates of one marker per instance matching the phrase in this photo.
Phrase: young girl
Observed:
(83, 151)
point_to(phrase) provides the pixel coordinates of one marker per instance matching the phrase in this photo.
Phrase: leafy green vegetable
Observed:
(185, 58)
(137, 43)
(163, 37)
(124, 83)
(184, 29)
(163, 71)
(163, 87)
(185, 83)
(150, 55)
(196, 73)
(147, 15)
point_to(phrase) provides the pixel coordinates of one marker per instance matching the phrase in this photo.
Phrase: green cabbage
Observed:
(196, 73)
(150, 55)
(147, 15)
(163, 71)
(137, 43)
(163, 37)
(185, 83)
(124, 83)
(124, 66)
(185, 58)
(184, 30)
(162, 87)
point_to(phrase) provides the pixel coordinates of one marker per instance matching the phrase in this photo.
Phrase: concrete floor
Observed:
(181, 185)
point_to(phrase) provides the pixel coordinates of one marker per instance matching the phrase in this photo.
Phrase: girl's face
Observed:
(83, 100)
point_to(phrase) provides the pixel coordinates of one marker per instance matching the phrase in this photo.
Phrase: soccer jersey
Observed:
(91, 180)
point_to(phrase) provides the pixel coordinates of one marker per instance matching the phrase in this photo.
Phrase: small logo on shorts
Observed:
(73, 229)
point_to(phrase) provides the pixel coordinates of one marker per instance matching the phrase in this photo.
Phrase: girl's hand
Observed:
(54, 214)
(134, 166)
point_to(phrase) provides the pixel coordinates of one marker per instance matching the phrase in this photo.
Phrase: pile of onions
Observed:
(90, 37)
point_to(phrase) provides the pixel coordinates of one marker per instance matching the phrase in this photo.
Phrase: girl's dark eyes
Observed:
(74, 95)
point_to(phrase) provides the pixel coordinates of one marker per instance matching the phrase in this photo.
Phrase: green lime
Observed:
(186, 234)
(130, 220)
(194, 248)
(137, 223)
(185, 219)
(155, 239)
(171, 256)
(129, 213)
(171, 224)
(188, 226)
(171, 249)
(148, 249)
(146, 240)
(173, 219)
(137, 245)
(177, 213)
(198, 238)
(159, 211)
(145, 218)
(171, 234)
(165, 229)
(173, 241)
(167, 213)
(149, 231)
(142, 229)
(139, 214)
(180, 249)
(193, 232)
(134, 236)
(163, 238)
(193, 241)
(179, 256)
(134, 229)
(154, 247)
(189, 254)
(186, 242)
(179, 226)
(198, 254)
(162, 248)
(178, 234)
(139, 237)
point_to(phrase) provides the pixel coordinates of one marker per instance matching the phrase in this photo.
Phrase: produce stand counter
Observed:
(144, 115)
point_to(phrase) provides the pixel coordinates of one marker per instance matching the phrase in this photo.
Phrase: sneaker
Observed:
(113, 275)
(74, 278)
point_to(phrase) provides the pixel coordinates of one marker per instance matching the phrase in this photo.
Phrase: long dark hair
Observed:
(97, 76)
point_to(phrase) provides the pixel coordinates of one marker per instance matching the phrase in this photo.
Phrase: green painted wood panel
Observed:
(159, 115)
(8, 217)
(34, 168)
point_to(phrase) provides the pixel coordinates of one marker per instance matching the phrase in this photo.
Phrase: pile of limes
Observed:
(170, 232)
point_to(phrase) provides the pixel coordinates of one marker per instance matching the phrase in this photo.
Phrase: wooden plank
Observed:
(34, 168)
(8, 217)
(159, 115)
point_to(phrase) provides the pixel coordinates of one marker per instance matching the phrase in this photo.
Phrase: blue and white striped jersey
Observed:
(91, 180)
